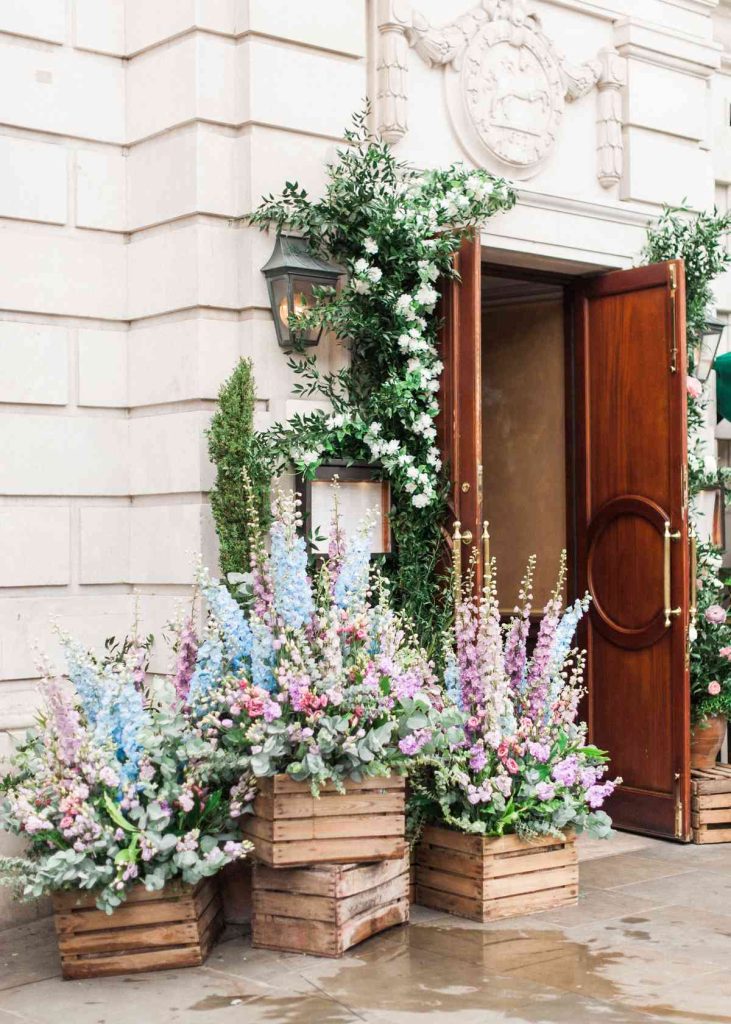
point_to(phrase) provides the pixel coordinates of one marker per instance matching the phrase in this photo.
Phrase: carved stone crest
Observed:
(506, 84)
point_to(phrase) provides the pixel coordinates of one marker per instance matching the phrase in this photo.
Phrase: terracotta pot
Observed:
(706, 739)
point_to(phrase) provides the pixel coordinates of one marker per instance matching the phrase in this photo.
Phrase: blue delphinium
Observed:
(231, 623)
(352, 583)
(262, 657)
(288, 564)
(208, 669)
(130, 718)
(84, 674)
(452, 682)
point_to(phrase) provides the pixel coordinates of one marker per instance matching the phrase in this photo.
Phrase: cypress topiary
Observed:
(237, 454)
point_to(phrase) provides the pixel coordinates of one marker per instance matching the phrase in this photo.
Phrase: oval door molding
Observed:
(642, 634)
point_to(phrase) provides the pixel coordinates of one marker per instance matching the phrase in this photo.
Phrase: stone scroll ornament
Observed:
(506, 85)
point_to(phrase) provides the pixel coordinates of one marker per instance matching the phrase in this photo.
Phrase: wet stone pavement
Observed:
(650, 940)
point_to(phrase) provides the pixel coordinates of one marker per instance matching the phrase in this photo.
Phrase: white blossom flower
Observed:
(362, 287)
(375, 428)
(370, 245)
(335, 421)
(426, 295)
(428, 271)
(361, 266)
(420, 500)
(403, 304)
(374, 274)
(421, 424)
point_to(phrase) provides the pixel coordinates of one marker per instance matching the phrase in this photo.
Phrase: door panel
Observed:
(631, 468)
(459, 426)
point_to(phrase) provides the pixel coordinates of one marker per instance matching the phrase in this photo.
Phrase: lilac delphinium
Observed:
(293, 600)
(185, 661)
(65, 720)
(517, 635)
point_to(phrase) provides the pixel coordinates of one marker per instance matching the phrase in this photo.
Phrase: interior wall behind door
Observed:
(524, 450)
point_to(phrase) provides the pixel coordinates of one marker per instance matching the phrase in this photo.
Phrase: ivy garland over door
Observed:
(395, 230)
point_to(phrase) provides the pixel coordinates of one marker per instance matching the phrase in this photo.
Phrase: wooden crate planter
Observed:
(291, 828)
(324, 910)
(487, 879)
(711, 804)
(150, 931)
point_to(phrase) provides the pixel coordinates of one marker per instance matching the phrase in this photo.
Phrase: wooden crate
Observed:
(291, 828)
(326, 909)
(711, 804)
(486, 879)
(150, 931)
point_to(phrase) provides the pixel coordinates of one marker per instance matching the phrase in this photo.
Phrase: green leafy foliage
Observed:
(394, 230)
(700, 240)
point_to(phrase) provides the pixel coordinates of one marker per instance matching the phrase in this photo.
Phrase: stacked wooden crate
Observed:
(151, 931)
(331, 870)
(711, 804)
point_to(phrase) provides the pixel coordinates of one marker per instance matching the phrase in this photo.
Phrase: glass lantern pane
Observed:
(281, 306)
(302, 299)
(356, 499)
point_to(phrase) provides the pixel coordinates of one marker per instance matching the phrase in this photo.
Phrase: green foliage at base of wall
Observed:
(235, 450)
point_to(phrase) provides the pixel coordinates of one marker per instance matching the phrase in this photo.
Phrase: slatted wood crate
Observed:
(291, 828)
(324, 910)
(150, 931)
(486, 879)
(711, 804)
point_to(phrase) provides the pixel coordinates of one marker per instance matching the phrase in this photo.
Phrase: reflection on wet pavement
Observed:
(649, 941)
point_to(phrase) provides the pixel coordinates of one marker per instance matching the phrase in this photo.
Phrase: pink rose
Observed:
(695, 388)
(512, 766)
(714, 688)
(255, 707)
(716, 614)
(725, 652)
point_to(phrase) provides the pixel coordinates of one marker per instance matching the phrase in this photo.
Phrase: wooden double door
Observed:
(627, 463)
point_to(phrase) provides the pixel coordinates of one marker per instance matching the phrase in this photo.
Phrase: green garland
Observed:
(700, 241)
(395, 230)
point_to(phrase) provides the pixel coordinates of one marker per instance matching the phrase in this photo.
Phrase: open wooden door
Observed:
(632, 516)
(459, 426)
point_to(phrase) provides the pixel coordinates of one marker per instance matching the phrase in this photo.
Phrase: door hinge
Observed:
(673, 269)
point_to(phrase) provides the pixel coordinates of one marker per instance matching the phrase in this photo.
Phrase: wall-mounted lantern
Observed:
(292, 272)
(708, 348)
(361, 490)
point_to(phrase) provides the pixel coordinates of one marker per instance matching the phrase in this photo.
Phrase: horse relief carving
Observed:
(506, 84)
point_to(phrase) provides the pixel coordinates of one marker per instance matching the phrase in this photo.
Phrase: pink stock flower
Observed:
(715, 614)
(714, 688)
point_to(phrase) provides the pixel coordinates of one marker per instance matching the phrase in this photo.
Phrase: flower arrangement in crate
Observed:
(316, 688)
(710, 660)
(522, 771)
(111, 789)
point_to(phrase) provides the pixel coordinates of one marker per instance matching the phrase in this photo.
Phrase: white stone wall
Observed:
(133, 135)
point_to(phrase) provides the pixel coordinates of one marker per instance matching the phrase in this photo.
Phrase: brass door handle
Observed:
(670, 612)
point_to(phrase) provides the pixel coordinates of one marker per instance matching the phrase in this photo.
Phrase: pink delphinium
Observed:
(516, 640)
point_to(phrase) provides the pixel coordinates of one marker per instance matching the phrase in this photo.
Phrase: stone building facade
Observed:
(133, 138)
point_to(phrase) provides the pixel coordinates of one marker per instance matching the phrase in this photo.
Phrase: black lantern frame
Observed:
(292, 272)
(708, 347)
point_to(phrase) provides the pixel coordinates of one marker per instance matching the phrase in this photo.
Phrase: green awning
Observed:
(722, 366)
